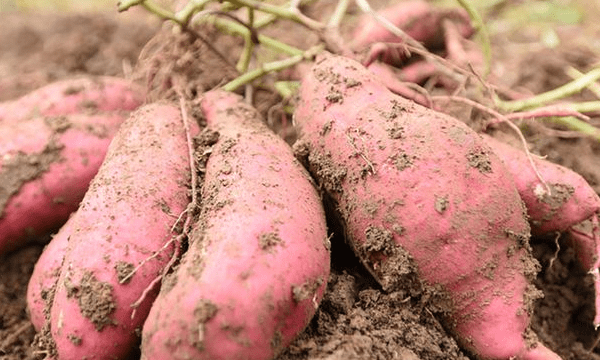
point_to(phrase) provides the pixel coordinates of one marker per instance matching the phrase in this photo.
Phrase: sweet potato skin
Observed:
(411, 183)
(417, 18)
(45, 274)
(124, 220)
(75, 96)
(46, 164)
(258, 260)
(571, 201)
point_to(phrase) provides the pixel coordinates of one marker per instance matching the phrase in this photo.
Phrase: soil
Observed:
(356, 319)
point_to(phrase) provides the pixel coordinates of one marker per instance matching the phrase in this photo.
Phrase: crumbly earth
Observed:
(356, 319)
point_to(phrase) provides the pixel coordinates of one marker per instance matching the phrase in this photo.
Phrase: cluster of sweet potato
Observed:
(230, 223)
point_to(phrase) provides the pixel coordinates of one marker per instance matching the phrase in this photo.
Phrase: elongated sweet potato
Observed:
(258, 260)
(46, 164)
(74, 96)
(118, 240)
(420, 193)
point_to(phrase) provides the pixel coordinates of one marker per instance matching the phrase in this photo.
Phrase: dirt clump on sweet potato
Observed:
(95, 299)
(22, 168)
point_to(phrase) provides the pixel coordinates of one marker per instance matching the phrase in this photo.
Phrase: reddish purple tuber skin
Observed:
(124, 220)
(418, 19)
(396, 84)
(66, 127)
(571, 201)
(258, 260)
(46, 165)
(45, 274)
(411, 183)
(74, 96)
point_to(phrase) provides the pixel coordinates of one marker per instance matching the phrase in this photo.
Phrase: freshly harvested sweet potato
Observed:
(74, 96)
(258, 259)
(119, 239)
(52, 142)
(46, 164)
(422, 196)
(571, 200)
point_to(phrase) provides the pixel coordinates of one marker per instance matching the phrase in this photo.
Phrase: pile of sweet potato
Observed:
(209, 241)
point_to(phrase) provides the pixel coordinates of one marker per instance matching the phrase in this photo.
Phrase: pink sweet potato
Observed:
(420, 193)
(417, 18)
(119, 239)
(258, 260)
(570, 201)
(74, 96)
(45, 274)
(46, 164)
(52, 142)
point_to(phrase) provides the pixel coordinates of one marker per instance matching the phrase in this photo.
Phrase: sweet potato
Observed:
(45, 274)
(52, 142)
(119, 242)
(258, 260)
(422, 196)
(417, 18)
(570, 201)
(46, 164)
(74, 96)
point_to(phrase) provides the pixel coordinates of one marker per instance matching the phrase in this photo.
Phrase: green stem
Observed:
(570, 88)
(238, 29)
(578, 125)
(191, 7)
(124, 5)
(485, 36)
(270, 67)
(156, 9)
(585, 106)
(336, 18)
(289, 14)
(244, 61)
(576, 74)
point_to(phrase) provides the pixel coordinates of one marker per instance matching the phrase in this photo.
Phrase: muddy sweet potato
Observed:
(46, 164)
(421, 196)
(258, 260)
(569, 201)
(119, 241)
(74, 96)
(52, 142)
